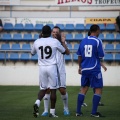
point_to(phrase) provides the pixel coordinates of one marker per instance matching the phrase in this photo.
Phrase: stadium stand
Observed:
(87, 27)
(5, 47)
(14, 56)
(24, 56)
(117, 48)
(18, 27)
(36, 36)
(110, 37)
(17, 37)
(8, 26)
(79, 27)
(102, 27)
(27, 37)
(51, 25)
(67, 57)
(38, 27)
(108, 57)
(78, 37)
(101, 36)
(34, 57)
(110, 27)
(76, 46)
(109, 47)
(6, 37)
(26, 47)
(69, 27)
(75, 57)
(3, 56)
(118, 37)
(15, 47)
(61, 26)
(28, 27)
(117, 57)
(69, 37)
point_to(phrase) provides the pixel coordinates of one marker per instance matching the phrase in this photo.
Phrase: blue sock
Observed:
(80, 100)
(96, 100)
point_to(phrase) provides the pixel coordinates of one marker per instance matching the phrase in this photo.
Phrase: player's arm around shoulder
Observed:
(33, 50)
(67, 51)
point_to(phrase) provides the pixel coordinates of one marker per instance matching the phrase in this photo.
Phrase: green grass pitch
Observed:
(16, 103)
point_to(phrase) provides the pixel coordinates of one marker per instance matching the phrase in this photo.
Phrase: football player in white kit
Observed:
(46, 48)
(61, 78)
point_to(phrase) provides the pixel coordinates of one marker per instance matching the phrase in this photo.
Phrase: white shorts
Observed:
(61, 80)
(48, 77)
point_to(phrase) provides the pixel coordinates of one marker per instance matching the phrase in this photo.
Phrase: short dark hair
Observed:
(46, 31)
(89, 33)
(57, 28)
(94, 28)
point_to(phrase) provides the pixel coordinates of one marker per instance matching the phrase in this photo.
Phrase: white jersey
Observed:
(46, 49)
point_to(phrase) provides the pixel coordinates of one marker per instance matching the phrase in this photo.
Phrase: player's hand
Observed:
(105, 69)
(63, 37)
(79, 71)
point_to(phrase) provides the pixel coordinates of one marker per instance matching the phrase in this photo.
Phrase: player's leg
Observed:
(100, 103)
(43, 82)
(80, 99)
(53, 84)
(46, 102)
(97, 83)
(64, 94)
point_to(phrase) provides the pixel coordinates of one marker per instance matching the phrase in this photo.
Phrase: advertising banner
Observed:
(50, 20)
(9, 2)
(88, 2)
(99, 20)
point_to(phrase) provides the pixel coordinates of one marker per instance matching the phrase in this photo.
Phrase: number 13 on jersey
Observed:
(88, 50)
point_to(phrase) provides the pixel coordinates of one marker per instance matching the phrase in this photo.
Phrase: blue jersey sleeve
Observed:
(100, 50)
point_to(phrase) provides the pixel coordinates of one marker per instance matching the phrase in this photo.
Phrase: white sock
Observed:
(46, 102)
(52, 111)
(37, 102)
(65, 101)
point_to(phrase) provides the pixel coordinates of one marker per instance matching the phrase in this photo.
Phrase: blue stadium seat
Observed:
(108, 57)
(101, 36)
(117, 57)
(69, 27)
(51, 25)
(28, 27)
(26, 47)
(14, 56)
(109, 47)
(110, 37)
(61, 26)
(69, 37)
(38, 27)
(24, 56)
(78, 37)
(110, 27)
(87, 27)
(17, 37)
(36, 36)
(117, 48)
(67, 57)
(75, 57)
(76, 46)
(27, 37)
(69, 46)
(34, 57)
(3, 56)
(15, 47)
(118, 37)
(79, 27)
(102, 27)
(19, 27)
(8, 26)
(5, 47)
(6, 36)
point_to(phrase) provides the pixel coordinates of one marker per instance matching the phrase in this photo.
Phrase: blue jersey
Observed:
(91, 51)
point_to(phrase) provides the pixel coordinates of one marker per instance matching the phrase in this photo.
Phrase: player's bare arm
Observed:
(79, 63)
(103, 66)
(63, 43)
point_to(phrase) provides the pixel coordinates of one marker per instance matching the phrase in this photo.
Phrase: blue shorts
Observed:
(93, 79)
